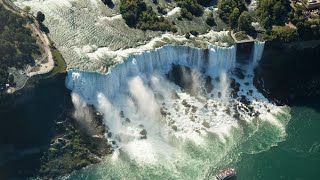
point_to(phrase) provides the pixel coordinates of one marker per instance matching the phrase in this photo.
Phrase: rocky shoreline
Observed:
(50, 144)
(72, 147)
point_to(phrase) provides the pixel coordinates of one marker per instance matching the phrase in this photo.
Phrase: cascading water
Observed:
(257, 52)
(213, 61)
(164, 130)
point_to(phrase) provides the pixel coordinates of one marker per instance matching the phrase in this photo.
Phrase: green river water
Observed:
(258, 150)
(297, 157)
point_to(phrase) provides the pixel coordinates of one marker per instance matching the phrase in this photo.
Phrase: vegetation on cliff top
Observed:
(190, 8)
(138, 14)
(226, 7)
(273, 12)
(17, 46)
(279, 21)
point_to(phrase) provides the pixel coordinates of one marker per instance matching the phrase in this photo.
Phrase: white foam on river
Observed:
(161, 131)
(153, 120)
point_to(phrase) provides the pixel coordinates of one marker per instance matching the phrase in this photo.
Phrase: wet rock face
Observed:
(208, 84)
(143, 134)
(290, 77)
(185, 78)
(181, 76)
(244, 52)
(239, 73)
(235, 87)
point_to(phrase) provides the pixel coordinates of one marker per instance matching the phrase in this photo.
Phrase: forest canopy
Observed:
(273, 12)
(17, 46)
(138, 14)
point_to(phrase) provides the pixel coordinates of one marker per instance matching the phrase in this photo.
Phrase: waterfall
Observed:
(154, 122)
(257, 52)
(212, 61)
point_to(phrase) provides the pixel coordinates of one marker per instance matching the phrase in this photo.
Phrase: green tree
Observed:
(210, 20)
(138, 15)
(267, 22)
(40, 17)
(233, 18)
(27, 9)
(192, 6)
(279, 13)
(275, 10)
(17, 45)
(186, 14)
(244, 22)
(284, 33)
(204, 2)
(227, 6)
(109, 3)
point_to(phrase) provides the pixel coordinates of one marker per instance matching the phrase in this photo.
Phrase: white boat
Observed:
(227, 174)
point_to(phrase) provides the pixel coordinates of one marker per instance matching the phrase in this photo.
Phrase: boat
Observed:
(227, 174)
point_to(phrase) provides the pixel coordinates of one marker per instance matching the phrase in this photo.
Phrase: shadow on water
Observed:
(290, 75)
(27, 119)
(44, 28)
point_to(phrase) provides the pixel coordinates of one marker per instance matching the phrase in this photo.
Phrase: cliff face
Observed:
(289, 75)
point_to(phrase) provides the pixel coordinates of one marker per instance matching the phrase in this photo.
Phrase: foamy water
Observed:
(163, 131)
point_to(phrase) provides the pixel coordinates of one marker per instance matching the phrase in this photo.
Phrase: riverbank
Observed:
(39, 135)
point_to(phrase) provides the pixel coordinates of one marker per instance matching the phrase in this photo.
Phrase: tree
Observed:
(17, 45)
(138, 14)
(233, 18)
(185, 13)
(267, 23)
(279, 13)
(210, 20)
(109, 3)
(275, 10)
(204, 2)
(194, 32)
(190, 7)
(284, 33)
(40, 17)
(244, 22)
(227, 6)
(27, 9)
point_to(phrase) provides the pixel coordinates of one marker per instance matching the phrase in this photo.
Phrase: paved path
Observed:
(40, 35)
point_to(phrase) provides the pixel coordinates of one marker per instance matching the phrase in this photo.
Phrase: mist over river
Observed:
(297, 157)
(180, 113)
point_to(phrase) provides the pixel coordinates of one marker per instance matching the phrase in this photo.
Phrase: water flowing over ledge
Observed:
(92, 36)
(211, 61)
(152, 120)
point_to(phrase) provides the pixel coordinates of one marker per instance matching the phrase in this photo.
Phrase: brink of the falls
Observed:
(211, 61)
(168, 132)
